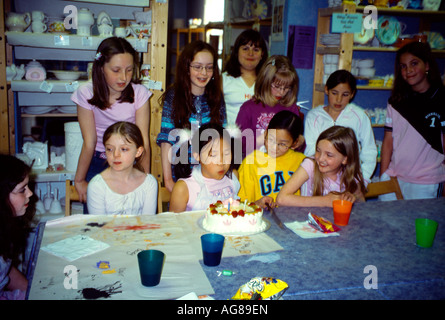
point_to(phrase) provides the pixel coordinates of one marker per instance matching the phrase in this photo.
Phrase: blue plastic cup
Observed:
(212, 246)
(151, 263)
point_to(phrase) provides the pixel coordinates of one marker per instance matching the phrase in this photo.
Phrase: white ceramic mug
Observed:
(38, 16)
(38, 27)
(121, 32)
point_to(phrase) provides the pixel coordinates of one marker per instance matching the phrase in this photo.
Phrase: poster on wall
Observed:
(301, 46)
(277, 20)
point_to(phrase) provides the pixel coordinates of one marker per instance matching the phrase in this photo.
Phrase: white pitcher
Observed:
(17, 21)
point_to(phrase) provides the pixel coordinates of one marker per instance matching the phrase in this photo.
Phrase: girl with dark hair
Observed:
(123, 188)
(340, 90)
(15, 213)
(194, 99)
(333, 174)
(263, 173)
(212, 179)
(413, 145)
(113, 95)
(248, 56)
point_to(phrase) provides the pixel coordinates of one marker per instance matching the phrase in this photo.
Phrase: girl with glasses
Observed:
(263, 173)
(194, 99)
(276, 89)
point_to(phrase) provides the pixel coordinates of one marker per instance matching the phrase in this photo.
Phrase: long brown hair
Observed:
(422, 51)
(183, 98)
(130, 132)
(106, 50)
(279, 70)
(344, 141)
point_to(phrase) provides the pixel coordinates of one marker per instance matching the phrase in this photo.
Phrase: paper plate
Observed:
(388, 30)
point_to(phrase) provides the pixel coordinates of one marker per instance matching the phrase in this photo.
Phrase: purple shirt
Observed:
(256, 117)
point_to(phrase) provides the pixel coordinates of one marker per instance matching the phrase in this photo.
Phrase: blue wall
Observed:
(300, 13)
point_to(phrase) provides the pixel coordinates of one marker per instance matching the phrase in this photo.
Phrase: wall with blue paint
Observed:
(300, 13)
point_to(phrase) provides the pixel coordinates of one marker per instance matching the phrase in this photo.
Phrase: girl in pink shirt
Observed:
(114, 95)
(213, 179)
(413, 144)
(333, 174)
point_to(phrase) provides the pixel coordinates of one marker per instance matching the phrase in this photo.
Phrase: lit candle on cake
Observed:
(245, 203)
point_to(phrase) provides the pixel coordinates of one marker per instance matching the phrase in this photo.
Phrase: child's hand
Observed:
(264, 200)
(81, 187)
(348, 196)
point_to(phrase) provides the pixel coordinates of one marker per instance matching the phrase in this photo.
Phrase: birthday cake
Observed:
(234, 217)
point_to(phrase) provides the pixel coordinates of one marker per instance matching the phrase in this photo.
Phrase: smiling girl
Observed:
(193, 100)
(340, 90)
(114, 95)
(248, 56)
(334, 173)
(413, 145)
(123, 188)
(15, 212)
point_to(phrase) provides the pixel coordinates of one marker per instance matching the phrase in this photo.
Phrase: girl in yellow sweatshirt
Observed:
(263, 172)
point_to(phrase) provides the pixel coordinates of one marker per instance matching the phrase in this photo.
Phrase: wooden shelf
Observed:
(65, 41)
(49, 115)
(34, 86)
(405, 12)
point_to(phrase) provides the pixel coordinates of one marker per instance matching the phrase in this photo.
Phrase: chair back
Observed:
(383, 187)
(70, 195)
(163, 197)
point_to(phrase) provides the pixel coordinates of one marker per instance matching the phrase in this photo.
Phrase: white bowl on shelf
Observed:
(67, 75)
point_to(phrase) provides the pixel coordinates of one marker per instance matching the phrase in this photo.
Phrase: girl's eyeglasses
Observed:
(199, 68)
(281, 146)
(278, 88)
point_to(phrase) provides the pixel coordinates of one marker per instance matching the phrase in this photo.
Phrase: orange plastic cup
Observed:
(342, 212)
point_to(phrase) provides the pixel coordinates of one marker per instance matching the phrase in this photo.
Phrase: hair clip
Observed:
(273, 62)
(98, 55)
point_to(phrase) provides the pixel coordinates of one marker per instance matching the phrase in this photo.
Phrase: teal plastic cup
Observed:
(212, 246)
(425, 232)
(151, 263)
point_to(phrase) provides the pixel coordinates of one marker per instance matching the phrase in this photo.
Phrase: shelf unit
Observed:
(346, 48)
(153, 51)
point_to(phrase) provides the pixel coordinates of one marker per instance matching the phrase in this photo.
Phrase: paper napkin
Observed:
(305, 231)
(75, 247)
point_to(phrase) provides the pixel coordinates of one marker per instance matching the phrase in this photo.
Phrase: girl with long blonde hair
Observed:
(334, 172)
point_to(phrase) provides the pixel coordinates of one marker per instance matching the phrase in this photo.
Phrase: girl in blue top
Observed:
(193, 100)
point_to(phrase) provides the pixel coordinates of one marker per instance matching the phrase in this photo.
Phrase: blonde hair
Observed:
(279, 70)
(344, 141)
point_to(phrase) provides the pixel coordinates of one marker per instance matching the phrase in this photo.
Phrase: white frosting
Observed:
(226, 223)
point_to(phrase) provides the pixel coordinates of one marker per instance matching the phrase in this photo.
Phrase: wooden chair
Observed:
(163, 197)
(70, 195)
(383, 187)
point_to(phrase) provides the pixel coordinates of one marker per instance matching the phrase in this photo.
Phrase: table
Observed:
(380, 235)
